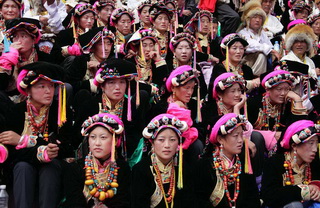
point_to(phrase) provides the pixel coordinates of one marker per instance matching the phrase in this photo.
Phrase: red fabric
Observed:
(10, 59)
(183, 114)
(209, 5)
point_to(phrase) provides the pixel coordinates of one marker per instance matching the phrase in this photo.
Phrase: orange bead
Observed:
(93, 191)
(110, 193)
(102, 196)
(97, 194)
(114, 185)
(285, 165)
(288, 183)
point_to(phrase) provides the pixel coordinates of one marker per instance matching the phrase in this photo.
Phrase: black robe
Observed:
(274, 194)
(206, 180)
(143, 187)
(74, 179)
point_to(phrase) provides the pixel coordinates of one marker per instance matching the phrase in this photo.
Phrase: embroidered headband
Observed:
(231, 38)
(180, 37)
(225, 125)
(111, 122)
(164, 121)
(299, 132)
(300, 6)
(277, 77)
(157, 9)
(99, 4)
(30, 28)
(143, 4)
(105, 33)
(117, 13)
(225, 81)
(180, 76)
(313, 18)
(82, 8)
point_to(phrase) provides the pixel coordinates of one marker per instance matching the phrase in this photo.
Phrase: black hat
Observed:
(88, 39)
(32, 26)
(31, 73)
(115, 68)
(157, 9)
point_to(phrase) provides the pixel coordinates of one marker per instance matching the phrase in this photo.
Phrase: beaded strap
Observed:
(42, 154)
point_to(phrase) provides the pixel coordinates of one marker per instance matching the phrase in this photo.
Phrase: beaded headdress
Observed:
(109, 121)
(225, 81)
(225, 125)
(143, 4)
(313, 18)
(229, 39)
(31, 26)
(299, 132)
(88, 39)
(157, 9)
(300, 6)
(180, 76)
(195, 21)
(80, 9)
(180, 37)
(173, 2)
(99, 4)
(164, 121)
(277, 77)
(117, 13)
(139, 36)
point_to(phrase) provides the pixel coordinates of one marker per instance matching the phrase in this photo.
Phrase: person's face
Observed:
(299, 48)
(148, 46)
(232, 143)
(183, 52)
(144, 16)
(161, 23)
(10, 10)
(256, 23)
(87, 21)
(183, 93)
(170, 6)
(105, 13)
(278, 93)
(267, 5)
(41, 93)
(115, 89)
(205, 25)
(236, 52)
(316, 27)
(306, 152)
(165, 145)
(124, 24)
(232, 95)
(100, 142)
(98, 48)
(302, 14)
(214, 30)
(26, 40)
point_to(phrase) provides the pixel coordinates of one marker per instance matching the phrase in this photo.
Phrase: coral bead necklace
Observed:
(169, 196)
(229, 175)
(289, 178)
(38, 128)
(98, 189)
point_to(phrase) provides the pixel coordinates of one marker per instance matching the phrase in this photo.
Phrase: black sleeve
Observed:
(273, 192)
(158, 74)
(143, 184)
(4, 81)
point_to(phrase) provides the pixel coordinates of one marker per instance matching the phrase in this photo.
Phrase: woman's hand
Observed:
(93, 64)
(256, 82)
(53, 150)
(130, 54)
(155, 54)
(186, 12)
(16, 45)
(239, 105)
(314, 192)
(252, 148)
(9, 137)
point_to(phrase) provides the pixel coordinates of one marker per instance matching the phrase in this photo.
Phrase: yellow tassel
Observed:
(142, 53)
(180, 176)
(113, 148)
(64, 105)
(227, 59)
(319, 149)
(247, 162)
(75, 35)
(199, 118)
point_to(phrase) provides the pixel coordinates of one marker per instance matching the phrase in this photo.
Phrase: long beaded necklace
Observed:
(268, 111)
(222, 109)
(229, 175)
(199, 44)
(169, 196)
(232, 68)
(289, 179)
(97, 189)
(38, 128)
(106, 106)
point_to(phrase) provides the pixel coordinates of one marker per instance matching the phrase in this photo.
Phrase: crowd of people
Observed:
(169, 103)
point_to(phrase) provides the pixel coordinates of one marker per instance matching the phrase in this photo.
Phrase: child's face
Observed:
(214, 30)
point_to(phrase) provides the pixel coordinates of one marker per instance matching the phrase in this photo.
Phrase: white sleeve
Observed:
(255, 46)
(275, 25)
(55, 17)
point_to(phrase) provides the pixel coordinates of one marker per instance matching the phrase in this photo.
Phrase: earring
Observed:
(221, 148)
(295, 156)
(29, 96)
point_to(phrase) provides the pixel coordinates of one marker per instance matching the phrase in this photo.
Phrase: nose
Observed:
(166, 143)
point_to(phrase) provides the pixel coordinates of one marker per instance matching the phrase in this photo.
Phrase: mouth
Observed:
(166, 152)
(97, 149)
